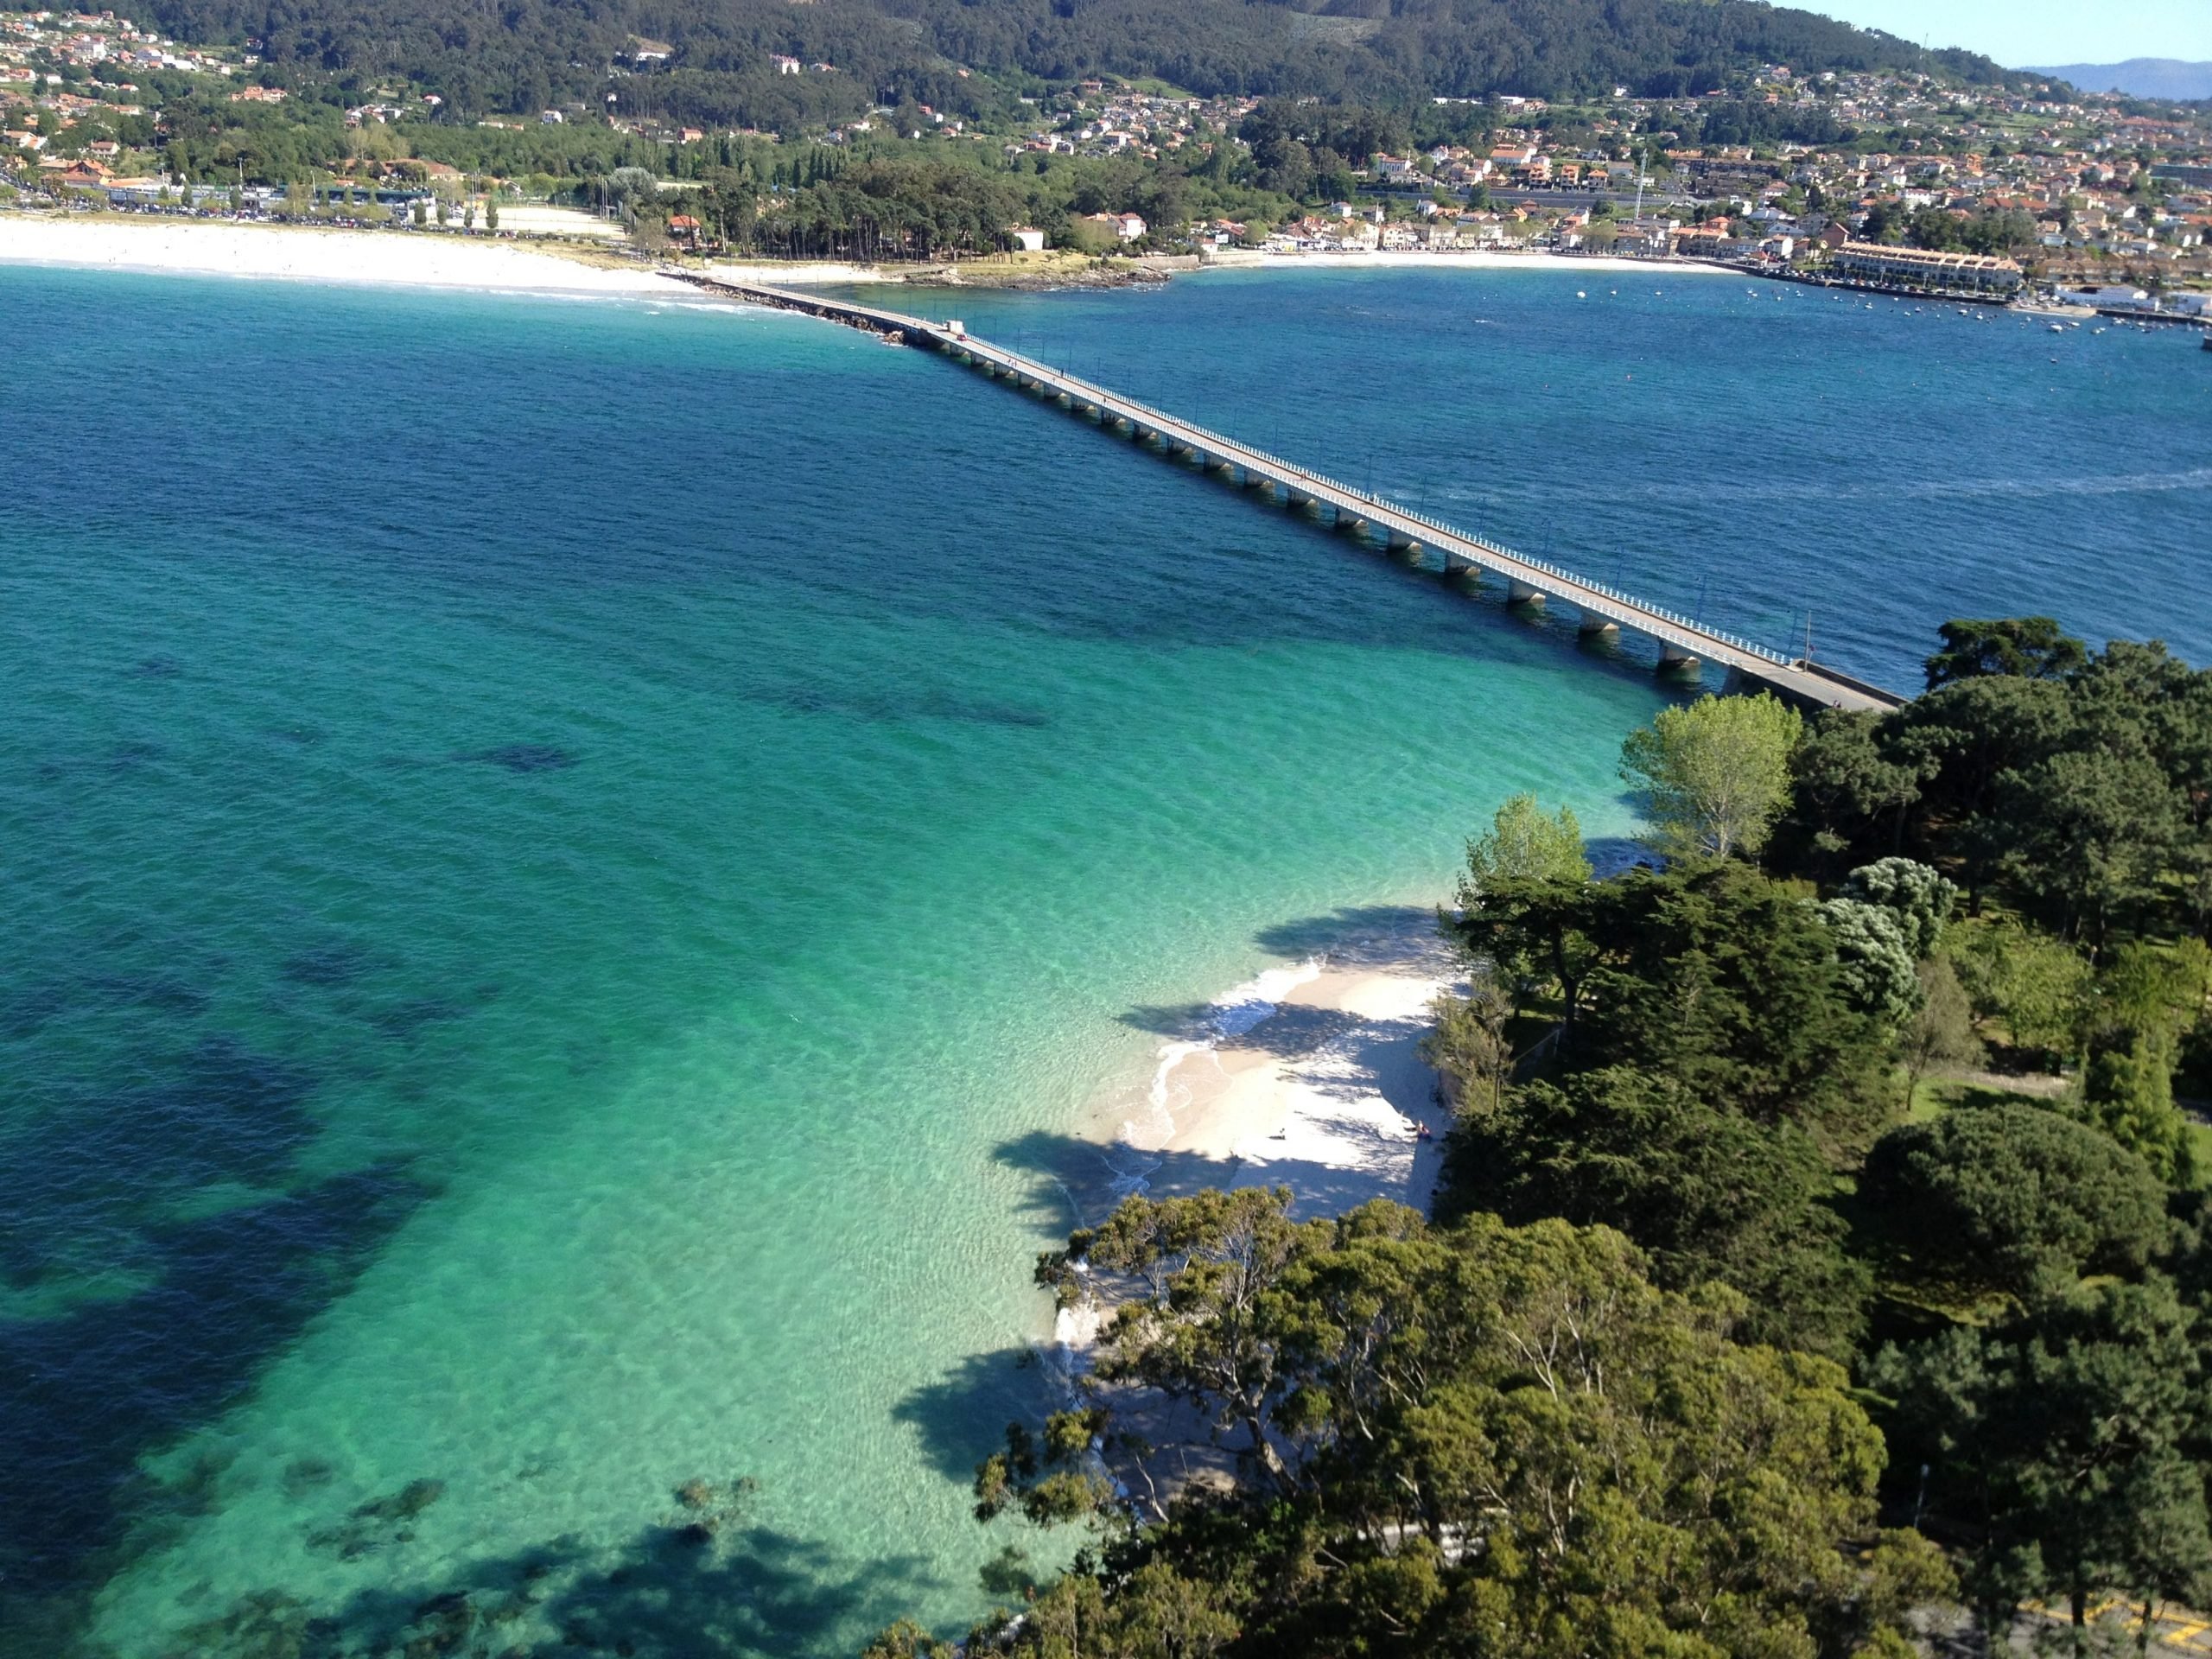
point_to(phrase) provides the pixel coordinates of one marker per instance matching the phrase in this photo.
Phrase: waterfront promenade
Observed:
(1682, 643)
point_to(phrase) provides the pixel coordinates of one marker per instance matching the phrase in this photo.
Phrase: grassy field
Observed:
(1935, 1096)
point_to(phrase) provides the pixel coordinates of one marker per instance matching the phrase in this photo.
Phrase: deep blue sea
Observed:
(574, 872)
(1748, 452)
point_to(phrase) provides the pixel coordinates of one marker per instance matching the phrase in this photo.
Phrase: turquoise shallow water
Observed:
(572, 871)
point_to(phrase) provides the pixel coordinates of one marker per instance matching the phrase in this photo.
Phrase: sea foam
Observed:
(1228, 1016)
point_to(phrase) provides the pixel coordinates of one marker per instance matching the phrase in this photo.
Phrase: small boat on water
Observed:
(2206, 342)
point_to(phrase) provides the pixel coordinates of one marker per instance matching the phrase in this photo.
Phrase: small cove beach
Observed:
(1309, 1077)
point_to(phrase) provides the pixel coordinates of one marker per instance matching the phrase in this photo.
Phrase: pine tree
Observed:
(2127, 1090)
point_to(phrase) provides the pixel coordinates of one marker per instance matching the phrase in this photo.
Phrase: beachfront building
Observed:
(1922, 271)
(1710, 242)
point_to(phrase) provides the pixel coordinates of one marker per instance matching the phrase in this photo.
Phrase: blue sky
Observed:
(2017, 32)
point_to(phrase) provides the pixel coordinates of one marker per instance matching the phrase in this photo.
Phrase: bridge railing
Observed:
(1559, 573)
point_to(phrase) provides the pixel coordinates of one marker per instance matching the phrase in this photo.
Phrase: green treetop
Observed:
(1714, 774)
(2064, 1443)
(1707, 1191)
(1485, 1441)
(1995, 1198)
(1524, 844)
(2028, 647)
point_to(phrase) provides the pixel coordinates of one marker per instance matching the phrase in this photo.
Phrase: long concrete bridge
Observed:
(1683, 643)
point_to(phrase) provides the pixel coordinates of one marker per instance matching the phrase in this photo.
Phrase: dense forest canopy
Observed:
(482, 57)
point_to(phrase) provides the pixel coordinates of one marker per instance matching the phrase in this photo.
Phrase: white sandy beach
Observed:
(436, 259)
(1326, 1094)
(392, 258)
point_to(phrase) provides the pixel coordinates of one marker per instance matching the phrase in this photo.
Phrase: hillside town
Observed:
(1886, 179)
(2094, 185)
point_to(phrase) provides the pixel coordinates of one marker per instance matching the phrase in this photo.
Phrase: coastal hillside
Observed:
(717, 60)
(2138, 77)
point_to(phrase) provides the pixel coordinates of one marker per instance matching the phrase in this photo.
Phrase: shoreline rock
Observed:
(1036, 281)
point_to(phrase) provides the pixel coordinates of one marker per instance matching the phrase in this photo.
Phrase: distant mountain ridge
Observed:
(2138, 77)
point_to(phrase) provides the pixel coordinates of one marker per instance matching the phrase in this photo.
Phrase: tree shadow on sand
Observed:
(1359, 938)
(1291, 1031)
(679, 1592)
(1328, 1054)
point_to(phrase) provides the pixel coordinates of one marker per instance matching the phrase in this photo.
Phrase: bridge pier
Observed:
(1466, 560)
